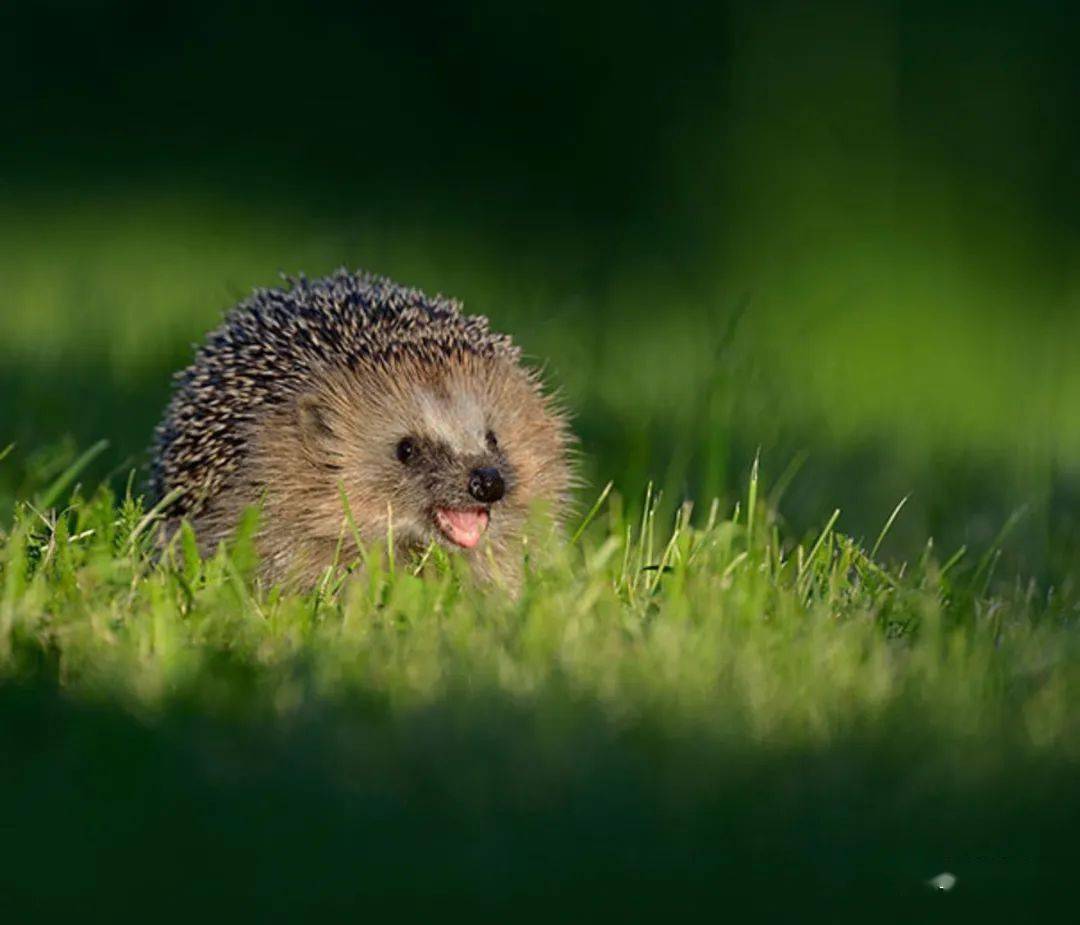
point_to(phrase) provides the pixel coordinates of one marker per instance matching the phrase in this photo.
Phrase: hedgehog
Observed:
(351, 410)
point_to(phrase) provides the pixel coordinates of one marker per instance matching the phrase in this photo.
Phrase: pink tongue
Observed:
(463, 527)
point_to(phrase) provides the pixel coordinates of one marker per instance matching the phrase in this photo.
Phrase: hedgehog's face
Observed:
(453, 472)
(457, 455)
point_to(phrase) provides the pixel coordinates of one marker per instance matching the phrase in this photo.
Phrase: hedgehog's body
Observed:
(355, 389)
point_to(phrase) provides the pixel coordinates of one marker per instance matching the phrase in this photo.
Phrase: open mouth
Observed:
(462, 527)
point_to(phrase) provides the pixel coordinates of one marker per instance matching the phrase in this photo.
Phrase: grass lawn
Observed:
(664, 719)
(812, 267)
(750, 699)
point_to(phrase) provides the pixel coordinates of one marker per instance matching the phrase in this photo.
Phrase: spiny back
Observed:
(272, 345)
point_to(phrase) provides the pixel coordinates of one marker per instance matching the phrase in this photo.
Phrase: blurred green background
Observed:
(844, 233)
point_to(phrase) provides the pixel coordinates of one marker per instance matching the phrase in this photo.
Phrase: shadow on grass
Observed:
(489, 805)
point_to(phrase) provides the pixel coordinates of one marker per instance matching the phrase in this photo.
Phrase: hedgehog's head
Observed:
(458, 452)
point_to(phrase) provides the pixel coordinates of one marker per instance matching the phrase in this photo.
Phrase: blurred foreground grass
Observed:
(663, 719)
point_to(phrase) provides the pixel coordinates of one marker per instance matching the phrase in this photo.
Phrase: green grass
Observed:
(839, 239)
(757, 699)
(664, 716)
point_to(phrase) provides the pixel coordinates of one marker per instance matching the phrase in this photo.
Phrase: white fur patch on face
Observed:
(456, 419)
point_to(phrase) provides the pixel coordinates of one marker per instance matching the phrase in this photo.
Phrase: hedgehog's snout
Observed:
(486, 485)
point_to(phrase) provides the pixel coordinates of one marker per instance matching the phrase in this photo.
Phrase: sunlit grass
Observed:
(700, 705)
(720, 623)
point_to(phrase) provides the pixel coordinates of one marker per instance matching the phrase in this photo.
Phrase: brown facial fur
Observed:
(336, 428)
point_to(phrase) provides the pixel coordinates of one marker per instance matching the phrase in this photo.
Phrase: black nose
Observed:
(486, 485)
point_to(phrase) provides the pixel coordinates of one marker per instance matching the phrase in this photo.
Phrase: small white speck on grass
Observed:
(943, 882)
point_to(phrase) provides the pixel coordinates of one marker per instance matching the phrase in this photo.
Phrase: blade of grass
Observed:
(593, 511)
(390, 540)
(153, 514)
(351, 521)
(989, 558)
(751, 501)
(808, 561)
(888, 526)
(787, 477)
(49, 496)
(952, 561)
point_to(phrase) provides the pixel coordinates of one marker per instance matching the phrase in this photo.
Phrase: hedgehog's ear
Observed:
(311, 421)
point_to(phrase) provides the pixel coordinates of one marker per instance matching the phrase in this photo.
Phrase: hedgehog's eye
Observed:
(406, 450)
(492, 443)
